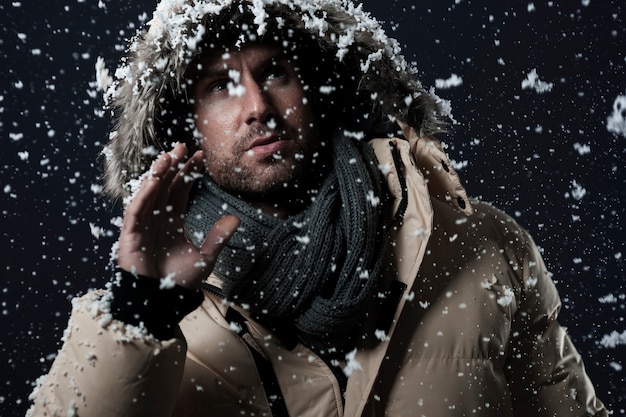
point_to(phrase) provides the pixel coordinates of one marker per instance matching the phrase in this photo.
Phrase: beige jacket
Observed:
(473, 333)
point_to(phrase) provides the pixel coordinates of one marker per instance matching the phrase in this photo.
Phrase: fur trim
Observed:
(150, 82)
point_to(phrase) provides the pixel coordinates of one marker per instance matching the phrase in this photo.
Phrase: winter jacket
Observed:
(465, 324)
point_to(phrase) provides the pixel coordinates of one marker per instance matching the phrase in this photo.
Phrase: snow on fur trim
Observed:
(149, 85)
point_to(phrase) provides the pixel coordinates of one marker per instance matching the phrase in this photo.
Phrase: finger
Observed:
(218, 237)
(183, 183)
(175, 157)
(190, 170)
(159, 166)
(179, 156)
(179, 151)
(143, 200)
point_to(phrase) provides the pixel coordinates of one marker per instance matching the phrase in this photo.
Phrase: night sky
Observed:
(547, 157)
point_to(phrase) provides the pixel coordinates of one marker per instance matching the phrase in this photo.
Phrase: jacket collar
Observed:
(415, 170)
(443, 182)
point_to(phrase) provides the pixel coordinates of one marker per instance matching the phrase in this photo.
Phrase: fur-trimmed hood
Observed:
(152, 75)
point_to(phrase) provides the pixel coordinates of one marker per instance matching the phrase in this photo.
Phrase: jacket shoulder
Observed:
(486, 223)
(487, 233)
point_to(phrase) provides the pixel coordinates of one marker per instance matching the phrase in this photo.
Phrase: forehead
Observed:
(248, 54)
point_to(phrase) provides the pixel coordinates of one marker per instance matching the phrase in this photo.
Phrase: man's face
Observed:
(257, 126)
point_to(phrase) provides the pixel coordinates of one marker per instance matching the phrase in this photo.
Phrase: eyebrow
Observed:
(205, 72)
(220, 69)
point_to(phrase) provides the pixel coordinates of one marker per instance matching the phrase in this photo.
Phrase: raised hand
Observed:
(152, 240)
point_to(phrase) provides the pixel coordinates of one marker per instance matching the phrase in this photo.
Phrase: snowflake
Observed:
(616, 122)
(351, 364)
(167, 282)
(453, 81)
(533, 82)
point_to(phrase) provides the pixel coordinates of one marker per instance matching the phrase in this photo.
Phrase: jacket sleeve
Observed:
(545, 372)
(108, 368)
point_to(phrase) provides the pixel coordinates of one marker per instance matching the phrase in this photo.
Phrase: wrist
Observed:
(142, 301)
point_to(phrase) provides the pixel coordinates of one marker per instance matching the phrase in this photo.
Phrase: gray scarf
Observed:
(315, 270)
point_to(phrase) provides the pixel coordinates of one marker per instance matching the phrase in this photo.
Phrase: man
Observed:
(304, 248)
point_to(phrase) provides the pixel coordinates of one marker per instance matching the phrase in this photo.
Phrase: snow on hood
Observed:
(147, 88)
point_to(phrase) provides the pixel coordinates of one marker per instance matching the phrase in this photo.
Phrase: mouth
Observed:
(264, 140)
(266, 144)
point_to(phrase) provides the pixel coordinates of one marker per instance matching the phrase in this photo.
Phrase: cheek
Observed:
(214, 148)
(201, 120)
(215, 130)
(215, 116)
(204, 119)
(293, 102)
(299, 113)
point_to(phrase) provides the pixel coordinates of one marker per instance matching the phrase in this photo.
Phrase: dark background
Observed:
(522, 150)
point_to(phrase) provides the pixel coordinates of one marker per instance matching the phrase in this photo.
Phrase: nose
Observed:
(257, 103)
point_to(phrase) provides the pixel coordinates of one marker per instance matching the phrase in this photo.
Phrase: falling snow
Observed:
(613, 339)
(507, 297)
(551, 152)
(167, 282)
(352, 365)
(533, 82)
(453, 81)
(577, 191)
(616, 122)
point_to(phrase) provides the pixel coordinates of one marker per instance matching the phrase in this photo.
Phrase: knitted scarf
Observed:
(315, 269)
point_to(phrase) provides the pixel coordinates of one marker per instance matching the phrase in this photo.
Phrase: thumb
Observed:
(218, 237)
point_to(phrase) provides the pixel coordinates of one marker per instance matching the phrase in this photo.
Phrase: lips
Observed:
(267, 144)
(264, 140)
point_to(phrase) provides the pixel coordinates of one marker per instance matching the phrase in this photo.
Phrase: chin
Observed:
(263, 179)
(255, 185)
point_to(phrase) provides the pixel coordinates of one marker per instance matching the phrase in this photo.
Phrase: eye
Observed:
(273, 72)
(218, 85)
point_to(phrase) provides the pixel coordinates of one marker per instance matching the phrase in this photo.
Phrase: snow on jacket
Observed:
(471, 329)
